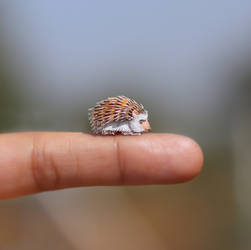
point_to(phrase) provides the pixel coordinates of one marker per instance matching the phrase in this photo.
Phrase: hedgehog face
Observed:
(140, 123)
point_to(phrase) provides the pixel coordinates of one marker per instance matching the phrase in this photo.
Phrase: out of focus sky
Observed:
(176, 39)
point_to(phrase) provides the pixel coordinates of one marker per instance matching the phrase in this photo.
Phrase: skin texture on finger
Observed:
(39, 161)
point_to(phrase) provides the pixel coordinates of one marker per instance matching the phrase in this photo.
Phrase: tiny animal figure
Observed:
(119, 115)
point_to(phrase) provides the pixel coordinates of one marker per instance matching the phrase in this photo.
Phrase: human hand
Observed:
(39, 161)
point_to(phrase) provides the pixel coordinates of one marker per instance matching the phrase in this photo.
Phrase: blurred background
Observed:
(188, 62)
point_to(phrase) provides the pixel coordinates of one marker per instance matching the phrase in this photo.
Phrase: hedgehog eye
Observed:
(141, 121)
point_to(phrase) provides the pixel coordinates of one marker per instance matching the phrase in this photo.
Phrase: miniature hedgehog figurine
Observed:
(119, 115)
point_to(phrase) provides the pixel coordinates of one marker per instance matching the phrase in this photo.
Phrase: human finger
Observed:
(39, 161)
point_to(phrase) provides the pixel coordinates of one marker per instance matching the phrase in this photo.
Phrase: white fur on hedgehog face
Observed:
(135, 124)
(130, 127)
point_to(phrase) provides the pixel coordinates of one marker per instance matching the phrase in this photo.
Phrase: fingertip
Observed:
(160, 159)
(189, 160)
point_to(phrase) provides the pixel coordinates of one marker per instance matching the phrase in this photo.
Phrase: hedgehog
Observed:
(119, 115)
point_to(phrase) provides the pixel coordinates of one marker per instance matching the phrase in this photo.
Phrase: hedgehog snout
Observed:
(146, 126)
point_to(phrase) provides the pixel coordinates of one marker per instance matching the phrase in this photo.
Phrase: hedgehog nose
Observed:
(147, 127)
(149, 130)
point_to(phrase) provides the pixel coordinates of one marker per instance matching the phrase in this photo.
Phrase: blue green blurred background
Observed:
(188, 62)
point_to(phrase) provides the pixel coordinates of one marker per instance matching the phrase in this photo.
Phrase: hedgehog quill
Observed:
(119, 115)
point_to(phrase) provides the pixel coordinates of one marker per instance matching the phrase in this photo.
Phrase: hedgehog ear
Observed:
(134, 113)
